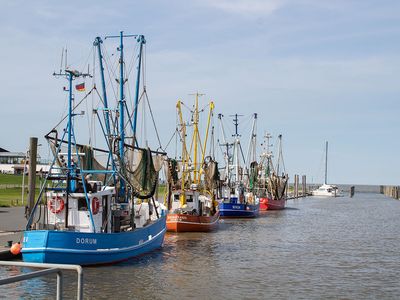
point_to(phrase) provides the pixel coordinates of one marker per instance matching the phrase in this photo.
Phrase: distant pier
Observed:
(390, 191)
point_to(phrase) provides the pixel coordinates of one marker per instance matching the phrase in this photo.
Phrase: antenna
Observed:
(236, 123)
(62, 58)
(65, 66)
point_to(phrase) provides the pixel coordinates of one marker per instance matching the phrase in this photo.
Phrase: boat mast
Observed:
(210, 114)
(185, 155)
(280, 156)
(267, 154)
(122, 104)
(69, 155)
(71, 75)
(251, 151)
(195, 139)
(225, 144)
(236, 145)
(141, 40)
(97, 43)
(121, 111)
(326, 163)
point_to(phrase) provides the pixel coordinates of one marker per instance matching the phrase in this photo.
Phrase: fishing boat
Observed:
(327, 190)
(96, 205)
(193, 179)
(271, 186)
(238, 199)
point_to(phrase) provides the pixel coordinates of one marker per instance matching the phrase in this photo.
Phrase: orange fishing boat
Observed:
(185, 222)
(192, 180)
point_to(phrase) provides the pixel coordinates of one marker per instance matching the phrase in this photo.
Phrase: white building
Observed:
(16, 162)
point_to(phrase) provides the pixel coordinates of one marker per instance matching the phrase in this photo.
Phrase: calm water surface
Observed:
(317, 248)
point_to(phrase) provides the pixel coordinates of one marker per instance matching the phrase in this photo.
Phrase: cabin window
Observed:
(82, 205)
(176, 198)
(189, 198)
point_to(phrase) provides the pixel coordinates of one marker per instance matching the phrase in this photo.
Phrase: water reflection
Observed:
(317, 248)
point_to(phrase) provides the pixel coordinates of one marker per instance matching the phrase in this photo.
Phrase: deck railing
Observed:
(48, 269)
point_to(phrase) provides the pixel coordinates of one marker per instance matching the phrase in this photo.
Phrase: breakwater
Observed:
(390, 191)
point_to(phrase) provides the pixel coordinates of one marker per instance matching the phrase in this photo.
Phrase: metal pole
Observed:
(80, 283)
(121, 113)
(33, 141)
(69, 160)
(142, 41)
(52, 268)
(97, 43)
(326, 163)
(59, 285)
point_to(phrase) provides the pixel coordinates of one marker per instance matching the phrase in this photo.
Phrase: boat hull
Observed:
(190, 223)
(238, 210)
(81, 248)
(270, 204)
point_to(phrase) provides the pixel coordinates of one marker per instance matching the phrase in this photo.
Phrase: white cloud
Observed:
(246, 7)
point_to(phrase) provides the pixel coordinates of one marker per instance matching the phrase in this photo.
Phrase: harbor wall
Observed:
(390, 191)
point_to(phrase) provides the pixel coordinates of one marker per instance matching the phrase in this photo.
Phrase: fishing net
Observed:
(143, 179)
(211, 173)
(253, 174)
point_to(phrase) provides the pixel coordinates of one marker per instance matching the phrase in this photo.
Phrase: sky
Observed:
(313, 70)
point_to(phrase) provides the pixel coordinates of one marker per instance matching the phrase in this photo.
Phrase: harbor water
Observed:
(332, 248)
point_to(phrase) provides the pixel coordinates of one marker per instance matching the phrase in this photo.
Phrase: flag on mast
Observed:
(80, 87)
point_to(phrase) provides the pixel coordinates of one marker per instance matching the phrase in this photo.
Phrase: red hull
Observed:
(269, 204)
(189, 223)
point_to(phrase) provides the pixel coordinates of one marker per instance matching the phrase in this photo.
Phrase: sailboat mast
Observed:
(326, 163)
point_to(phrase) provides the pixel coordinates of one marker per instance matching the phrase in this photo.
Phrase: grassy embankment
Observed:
(11, 190)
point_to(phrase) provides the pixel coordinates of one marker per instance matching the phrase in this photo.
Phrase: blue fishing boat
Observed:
(97, 205)
(238, 198)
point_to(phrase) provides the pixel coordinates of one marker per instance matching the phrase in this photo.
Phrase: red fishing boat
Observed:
(272, 204)
(271, 187)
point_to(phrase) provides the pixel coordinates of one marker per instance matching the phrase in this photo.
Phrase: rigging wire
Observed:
(73, 109)
(154, 122)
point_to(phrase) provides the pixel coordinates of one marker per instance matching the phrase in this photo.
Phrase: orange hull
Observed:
(190, 223)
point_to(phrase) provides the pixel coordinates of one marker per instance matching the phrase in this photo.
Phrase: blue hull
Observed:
(233, 210)
(68, 247)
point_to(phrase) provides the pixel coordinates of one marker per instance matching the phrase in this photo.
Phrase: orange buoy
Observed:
(16, 248)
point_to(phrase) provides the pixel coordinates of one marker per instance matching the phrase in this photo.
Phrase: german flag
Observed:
(80, 87)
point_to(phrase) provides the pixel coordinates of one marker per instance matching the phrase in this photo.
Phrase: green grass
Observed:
(12, 179)
(12, 197)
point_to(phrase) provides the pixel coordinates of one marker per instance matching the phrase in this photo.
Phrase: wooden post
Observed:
(351, 191)
(303, 186)
(33, 141)
(288, 186)
(296, 186)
